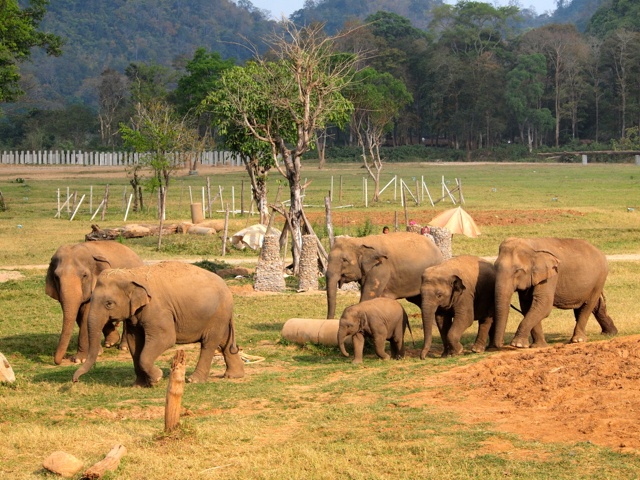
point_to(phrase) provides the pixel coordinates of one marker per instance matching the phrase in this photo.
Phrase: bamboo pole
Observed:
(175, 389)
(77, 208)
(126, 214)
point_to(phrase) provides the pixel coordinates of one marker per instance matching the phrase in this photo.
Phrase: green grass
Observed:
(304, 412)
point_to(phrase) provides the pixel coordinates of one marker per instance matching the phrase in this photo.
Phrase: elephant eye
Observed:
(109, 304)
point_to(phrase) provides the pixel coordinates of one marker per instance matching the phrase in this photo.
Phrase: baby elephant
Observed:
(454, 293)
(379, 318)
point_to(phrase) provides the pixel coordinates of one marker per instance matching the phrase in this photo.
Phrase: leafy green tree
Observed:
(149, 82)
(160, 137)
(525, 87)
(19, 33)
(283, 101)
(377, 98)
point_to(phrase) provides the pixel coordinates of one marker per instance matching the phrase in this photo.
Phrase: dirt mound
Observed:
(568, 393)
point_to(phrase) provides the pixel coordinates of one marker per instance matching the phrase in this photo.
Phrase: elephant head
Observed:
(353, 321)
(519, 267)
(116, 297)
(440, 290)
(349, 261)
(71, 276)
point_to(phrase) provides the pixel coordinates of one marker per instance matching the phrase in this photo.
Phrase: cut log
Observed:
(62, 463)
(6, 372)
(198, 230)
(110, 463)
(175, 389)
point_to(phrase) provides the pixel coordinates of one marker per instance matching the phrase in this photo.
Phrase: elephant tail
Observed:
(231, 341)
(603, 318)
(405, 320)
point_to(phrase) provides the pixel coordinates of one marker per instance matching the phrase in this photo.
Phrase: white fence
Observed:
(107, 159)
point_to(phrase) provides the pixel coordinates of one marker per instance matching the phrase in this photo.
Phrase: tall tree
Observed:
(19, 33)
(113, 93)
(286, 100)
(377, 99)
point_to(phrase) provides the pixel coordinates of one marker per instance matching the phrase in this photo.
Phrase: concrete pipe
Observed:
(309, 330)
(196, 213)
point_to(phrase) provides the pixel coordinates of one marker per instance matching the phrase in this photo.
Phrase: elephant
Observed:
(566, 273)
(387, 265)
(379, 318)
(454, 293)
(164, 304)
(71, 277)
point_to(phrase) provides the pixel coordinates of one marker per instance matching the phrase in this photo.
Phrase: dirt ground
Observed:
(567, 393)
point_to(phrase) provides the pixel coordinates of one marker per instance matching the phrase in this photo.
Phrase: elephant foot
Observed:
(423, 354)
(123, 347)
(610, 331)
(357, 360)
(578, 339)
(197, 378)
(478, 348)
(538, 344)
(520, 342)
(77, 358)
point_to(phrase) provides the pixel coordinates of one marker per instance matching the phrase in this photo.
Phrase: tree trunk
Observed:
(175, 389)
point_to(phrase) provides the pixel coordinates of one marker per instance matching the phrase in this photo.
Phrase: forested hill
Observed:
(112, 34)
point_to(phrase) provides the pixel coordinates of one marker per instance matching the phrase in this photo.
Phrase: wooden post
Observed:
(105, 202)
(327, 208)
(77, 208)
(406, 213)
(242, 198)
(175, 389)
(209, 196)
(226, 231)
(126, 214)
(110, 463)
(340, 188)
(395, 221)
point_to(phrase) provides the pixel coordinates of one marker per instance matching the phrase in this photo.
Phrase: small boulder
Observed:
(6, 372)
(63, 464)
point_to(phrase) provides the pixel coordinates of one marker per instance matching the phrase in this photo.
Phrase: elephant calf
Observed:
(454, 293)
(165, 304)
(381, 319)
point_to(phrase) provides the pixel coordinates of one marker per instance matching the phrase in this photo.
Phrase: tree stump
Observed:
(175, 389)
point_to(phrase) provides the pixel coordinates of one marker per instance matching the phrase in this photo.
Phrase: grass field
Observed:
(305, 411)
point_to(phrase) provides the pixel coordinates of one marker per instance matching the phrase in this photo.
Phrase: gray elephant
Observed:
(381, 319)
(388, 265)
(165, 304)
(565, 273)
(71, 277)
(454, 293)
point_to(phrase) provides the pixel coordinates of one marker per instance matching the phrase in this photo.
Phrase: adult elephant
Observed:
(165, 304)
(565, 273)
(389, 265)
(71, 277)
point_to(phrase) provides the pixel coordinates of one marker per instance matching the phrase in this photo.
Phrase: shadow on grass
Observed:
(267, 327)
(109, 374)
(33, 346)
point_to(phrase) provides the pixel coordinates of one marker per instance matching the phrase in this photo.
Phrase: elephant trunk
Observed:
(95, 325)
(71, 300)
(342, 335)
(504, 292)
(332, 281)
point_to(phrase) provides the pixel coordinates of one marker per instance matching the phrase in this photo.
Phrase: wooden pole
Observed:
(105, 203)
(242, 198)
(175, 389)
(226, 231)
(406, 213)
(395, 221)
(204, 208)
(209, 196)
(110, 463)
(126, 214)
(77, 208)
(340, 188)
(327, 208)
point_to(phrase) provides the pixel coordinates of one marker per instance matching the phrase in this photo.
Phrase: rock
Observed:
(62, 463)
(232, 272)
(6, 372)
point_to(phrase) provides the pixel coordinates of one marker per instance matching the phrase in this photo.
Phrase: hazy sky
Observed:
(287, 7)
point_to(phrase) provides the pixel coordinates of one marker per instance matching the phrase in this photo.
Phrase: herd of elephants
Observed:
(101, 284)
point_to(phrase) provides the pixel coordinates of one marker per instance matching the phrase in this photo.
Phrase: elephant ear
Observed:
(51, 286)
(102, 261)
(139, 297)
(370, 258)
(545, 266)
(364, 323)
(457, 288)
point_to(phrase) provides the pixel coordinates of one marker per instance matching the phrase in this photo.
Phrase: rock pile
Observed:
(269, 271)
(308, 264)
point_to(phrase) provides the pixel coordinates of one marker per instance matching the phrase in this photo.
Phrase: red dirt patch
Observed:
(567, 393)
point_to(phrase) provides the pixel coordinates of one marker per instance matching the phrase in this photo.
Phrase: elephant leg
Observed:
(535, 307)
(485, 330)
(155, 343)
(459, 324)
(135, 341)
(379, 342)
(396, 342)
(445, 323)
(123, 343)
(582, 316)
(358, 347)
(111, 334)
(603, 318)
(538, 337)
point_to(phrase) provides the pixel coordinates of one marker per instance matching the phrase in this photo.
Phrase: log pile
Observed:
(208, 227)
(269, 271)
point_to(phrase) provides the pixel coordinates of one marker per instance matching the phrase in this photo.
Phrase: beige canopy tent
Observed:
(456, 220)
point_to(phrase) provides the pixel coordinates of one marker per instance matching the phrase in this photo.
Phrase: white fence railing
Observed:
(107, 159)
